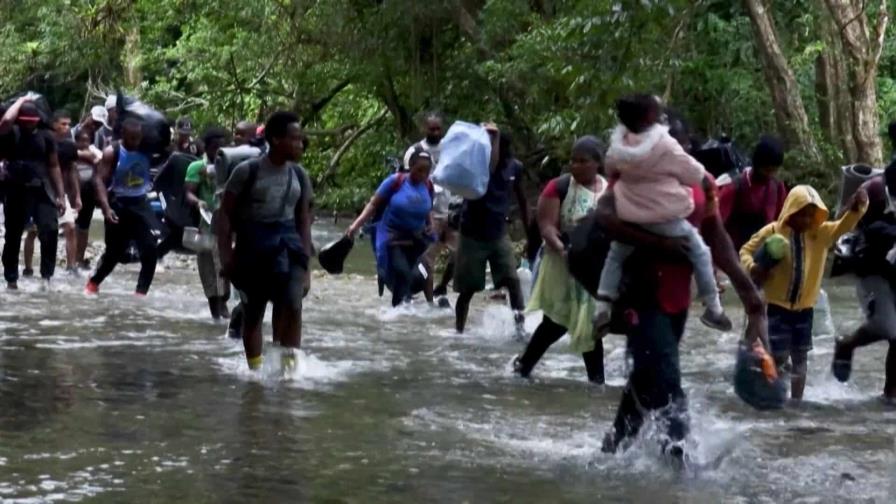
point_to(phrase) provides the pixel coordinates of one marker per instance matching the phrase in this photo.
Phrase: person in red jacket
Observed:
(752, 199)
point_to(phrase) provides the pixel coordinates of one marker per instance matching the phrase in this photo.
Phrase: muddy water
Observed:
(117, 399)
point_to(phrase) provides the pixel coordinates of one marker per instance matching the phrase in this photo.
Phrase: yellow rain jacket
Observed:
(794, 282)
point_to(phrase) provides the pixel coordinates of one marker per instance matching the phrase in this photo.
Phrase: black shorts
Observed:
(789, 331)
(284, 288)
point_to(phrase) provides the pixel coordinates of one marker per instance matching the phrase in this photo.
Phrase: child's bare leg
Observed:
(799, 360)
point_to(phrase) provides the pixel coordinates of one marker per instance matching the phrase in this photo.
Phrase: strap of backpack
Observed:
(289, 176)
(562, 184)
(396, 184)
(245, 196)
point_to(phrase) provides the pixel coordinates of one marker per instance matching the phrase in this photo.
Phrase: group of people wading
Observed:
(663, 218)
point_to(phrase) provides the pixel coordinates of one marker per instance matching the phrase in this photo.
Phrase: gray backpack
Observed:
(228, 159)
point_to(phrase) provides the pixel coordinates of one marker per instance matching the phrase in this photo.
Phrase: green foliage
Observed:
(546, 71)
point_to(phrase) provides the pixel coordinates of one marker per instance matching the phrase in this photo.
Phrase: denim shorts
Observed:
(789, 330)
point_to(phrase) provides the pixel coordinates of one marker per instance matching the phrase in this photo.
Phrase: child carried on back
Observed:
(653, 190)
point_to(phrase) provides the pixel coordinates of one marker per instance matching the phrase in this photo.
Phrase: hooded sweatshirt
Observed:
(655, 175)
(794, 282)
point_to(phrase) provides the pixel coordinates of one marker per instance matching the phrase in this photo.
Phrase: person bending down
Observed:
(654, 175)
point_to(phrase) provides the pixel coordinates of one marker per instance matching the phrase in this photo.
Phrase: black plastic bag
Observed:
(332, 256)
(720, 157)
(169, 183)
(751, 383)
(156, 128)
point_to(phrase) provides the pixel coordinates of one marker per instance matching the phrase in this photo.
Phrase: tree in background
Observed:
(359, 72)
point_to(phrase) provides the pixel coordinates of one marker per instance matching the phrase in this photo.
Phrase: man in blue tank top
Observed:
(122, 181)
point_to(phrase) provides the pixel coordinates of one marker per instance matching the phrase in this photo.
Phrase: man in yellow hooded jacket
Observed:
(791, 276)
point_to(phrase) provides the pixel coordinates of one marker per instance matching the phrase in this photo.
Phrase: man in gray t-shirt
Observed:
(267, 204)
(268, 200)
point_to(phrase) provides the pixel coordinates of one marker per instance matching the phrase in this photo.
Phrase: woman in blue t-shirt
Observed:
(402, 233)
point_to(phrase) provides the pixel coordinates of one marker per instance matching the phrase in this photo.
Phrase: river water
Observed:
(118, 399)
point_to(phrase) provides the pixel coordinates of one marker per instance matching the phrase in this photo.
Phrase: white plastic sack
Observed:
(463, 165)
(526, 282)
(823, 320)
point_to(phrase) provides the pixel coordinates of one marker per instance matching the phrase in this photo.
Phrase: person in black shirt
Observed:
(483, 235)
(184, 141)
(67, 154)
(34, 186)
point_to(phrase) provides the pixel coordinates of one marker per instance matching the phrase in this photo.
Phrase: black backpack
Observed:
(588, 248)
(169, 183)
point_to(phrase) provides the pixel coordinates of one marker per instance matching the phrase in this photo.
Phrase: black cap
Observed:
(184, 125)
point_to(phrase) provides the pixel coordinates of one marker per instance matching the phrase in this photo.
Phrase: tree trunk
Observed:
(133, 76)
(834, 101)
(790, 113)
(844, 119)
(824, 97)
(343, 149)
(862, 45)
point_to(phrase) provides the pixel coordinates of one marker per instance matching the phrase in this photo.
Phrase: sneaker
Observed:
(518, 367)
(138, 294)
(717, 321)
(74, 272)
(27, 272)
(444, 303)
(12, 286)
(289, 360)
(841, 366)
(91, 289)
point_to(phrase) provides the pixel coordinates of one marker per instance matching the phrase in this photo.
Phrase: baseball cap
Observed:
(184, 125)
(100, 115)
(111, 101)
(28, 113)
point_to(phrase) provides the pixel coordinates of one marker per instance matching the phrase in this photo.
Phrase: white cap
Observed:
(100, 115)
(111, 101)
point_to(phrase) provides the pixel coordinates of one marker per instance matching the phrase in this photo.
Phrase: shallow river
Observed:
(117, 399)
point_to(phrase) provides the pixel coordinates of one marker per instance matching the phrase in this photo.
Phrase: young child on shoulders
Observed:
(653, 189)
